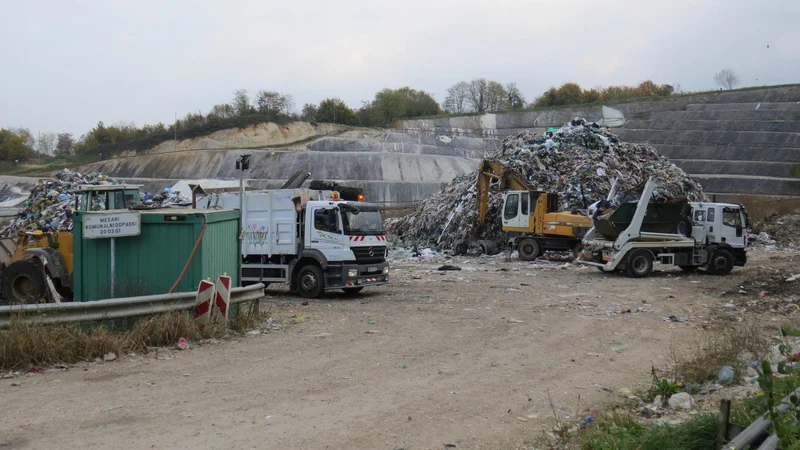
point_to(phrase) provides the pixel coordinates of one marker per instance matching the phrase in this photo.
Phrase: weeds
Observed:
(24, 345)
(727, 346)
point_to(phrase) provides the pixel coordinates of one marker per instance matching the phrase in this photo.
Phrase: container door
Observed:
(326, 233)
(732, 229)
(284, 231)
(511, 210)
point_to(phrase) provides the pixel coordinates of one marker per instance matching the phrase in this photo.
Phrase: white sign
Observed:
(111, 224)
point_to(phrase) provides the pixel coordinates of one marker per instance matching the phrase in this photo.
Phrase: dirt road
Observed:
(464, 358)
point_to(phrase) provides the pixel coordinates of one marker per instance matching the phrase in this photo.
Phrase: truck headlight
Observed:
(386, 270)
(352, 273)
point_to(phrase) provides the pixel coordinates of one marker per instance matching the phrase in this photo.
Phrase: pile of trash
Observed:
(785, 230)
(52, 202)
(579, 162)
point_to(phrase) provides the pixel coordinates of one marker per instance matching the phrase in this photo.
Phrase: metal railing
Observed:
(116, 308)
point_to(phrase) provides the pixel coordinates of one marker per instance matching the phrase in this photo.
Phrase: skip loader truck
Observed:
(313, 240)
(690, 236)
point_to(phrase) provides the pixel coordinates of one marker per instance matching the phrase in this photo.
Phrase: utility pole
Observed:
(176, 131)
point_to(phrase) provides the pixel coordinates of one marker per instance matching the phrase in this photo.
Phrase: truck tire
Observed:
(721, 262)
(353, 290)
(460, 248)
(310, 282)
(529, 249)
(640, 264)
(23, 282)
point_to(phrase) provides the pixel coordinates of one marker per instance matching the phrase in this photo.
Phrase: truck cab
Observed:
(312, 240)
(107, 197)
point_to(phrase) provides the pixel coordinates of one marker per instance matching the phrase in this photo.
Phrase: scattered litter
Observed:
(401, 366)
(372, 331)
(299, 319)
(794, 277)
(513, 320)
(725, 375)
(371, 322)
(579, 163)
(446, 267)
(681, 400)
(321, 335)
(272, 324)
(183, 344)
(111, 356)
(37, 369)
(253, 332)
(15, 384)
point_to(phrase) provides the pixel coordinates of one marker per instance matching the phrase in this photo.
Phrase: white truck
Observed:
(310, 239)
(708, 235)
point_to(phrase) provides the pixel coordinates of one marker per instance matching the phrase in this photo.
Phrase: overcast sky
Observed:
(69, 64)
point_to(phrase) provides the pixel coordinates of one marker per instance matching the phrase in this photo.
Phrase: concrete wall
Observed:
(737, 142)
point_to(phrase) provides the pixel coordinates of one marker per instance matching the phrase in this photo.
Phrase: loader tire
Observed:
(23, 282)
(529, 249)
(640, 264)
(721, 262)
(577, 249)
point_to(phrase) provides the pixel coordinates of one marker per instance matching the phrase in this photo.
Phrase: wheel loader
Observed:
(530, 217)
(38, 265)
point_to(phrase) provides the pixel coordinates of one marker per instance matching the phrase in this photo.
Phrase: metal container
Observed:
(660, 218)
(150, 263)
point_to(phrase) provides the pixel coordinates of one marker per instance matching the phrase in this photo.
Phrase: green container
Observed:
(151, 262)
(659, 218)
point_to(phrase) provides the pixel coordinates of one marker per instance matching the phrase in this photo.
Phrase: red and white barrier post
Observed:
(205, 297)
(222, 297)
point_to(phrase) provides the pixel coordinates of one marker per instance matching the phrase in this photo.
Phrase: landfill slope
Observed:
(578, 162)
(733, 142)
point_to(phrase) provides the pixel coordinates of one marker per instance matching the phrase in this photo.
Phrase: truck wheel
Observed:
(353, 290)
(689, 269)
(310, 282)
(640, 264)
(460, 248)
(23, 282)
(529, 249)
(721, 262)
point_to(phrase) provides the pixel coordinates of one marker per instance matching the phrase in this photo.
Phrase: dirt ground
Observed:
(436, 359)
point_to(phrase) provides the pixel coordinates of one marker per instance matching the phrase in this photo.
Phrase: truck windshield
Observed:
(362, 222)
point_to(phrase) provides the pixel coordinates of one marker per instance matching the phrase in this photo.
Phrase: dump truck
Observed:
(689, 235)
(530, 217)
(39, 264)
(312, 240)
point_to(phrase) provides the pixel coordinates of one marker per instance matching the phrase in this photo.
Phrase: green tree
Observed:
(419, 103)
(334, 110)
(222, 111)
(389, 105)
(13, 147)
(309, 112)
(496, 97)
(241, 103)
(64, 144)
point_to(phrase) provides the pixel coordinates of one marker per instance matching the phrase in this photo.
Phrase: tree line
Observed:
(477, 96)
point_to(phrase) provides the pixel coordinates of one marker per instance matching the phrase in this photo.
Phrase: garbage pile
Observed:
(579, 162)
(784, 229)
(52, 202)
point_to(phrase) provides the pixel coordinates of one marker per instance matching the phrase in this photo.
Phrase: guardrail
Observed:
(116, 308)
(758, 432)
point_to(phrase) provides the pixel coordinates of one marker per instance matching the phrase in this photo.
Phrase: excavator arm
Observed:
(489, 170)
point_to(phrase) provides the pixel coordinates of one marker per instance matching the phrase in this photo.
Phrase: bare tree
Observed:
(726, 78)
(456, 99)
(478, 94)
(515, 98)
(288, 104)
(46, 144)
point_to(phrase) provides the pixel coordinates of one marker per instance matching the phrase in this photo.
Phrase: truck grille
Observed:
(369, 254)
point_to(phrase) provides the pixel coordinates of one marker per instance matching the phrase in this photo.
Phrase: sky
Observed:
(68, 65)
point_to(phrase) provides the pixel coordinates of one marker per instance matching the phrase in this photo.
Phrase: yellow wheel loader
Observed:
(38, 265)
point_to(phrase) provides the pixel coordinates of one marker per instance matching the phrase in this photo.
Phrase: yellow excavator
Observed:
(530, 217)
(38, 265)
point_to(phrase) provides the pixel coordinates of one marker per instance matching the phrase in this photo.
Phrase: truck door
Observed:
(326, 232)
(732, 229)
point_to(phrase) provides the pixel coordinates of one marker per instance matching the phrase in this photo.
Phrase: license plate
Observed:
(372, 269)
